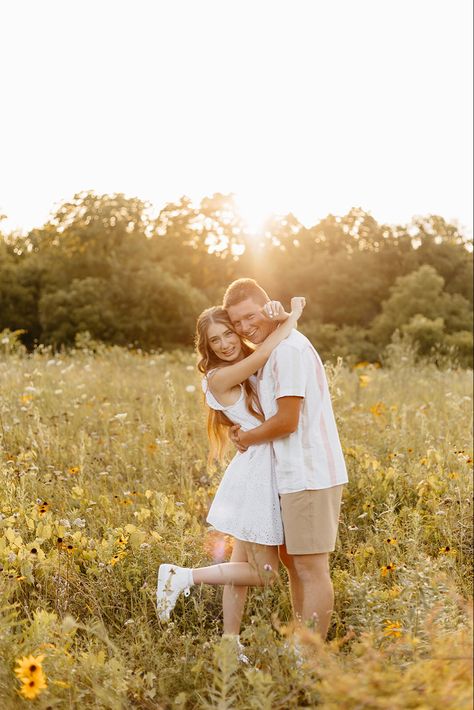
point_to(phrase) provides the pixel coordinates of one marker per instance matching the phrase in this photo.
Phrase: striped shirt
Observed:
(311, 457)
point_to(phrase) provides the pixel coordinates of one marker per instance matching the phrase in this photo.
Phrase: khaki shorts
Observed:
(310, 520)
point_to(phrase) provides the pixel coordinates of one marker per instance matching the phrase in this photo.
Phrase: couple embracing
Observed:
(280, 496)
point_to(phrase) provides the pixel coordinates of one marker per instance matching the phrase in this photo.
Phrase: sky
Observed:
(309, 106)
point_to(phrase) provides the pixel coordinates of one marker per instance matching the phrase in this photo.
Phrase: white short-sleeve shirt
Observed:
(311, 457)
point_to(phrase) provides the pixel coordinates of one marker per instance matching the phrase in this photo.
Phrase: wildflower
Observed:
(393, 628)
(43, 507)
(447, 550)
(378, 409)
(73, 470)
(122, 541)
(79, 522)
(364, 380)
(267, 568)
(386, 569)
(117, 557)
(70, 549)
(391, 540)
(454, 475)
(31, 688)
(29, 666)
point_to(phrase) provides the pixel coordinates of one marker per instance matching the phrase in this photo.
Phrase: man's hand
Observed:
(237, 436)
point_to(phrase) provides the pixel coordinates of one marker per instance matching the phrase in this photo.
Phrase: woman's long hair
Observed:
(217, 422)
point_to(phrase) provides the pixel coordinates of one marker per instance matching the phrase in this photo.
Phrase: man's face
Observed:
(249, 321)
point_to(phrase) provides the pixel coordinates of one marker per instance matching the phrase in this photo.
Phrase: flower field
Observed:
(104, 475)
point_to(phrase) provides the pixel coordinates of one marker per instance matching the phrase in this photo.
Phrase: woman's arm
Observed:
(227, 377)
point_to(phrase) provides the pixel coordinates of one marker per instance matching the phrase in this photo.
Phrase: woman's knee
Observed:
(264, 561)
(239, 552)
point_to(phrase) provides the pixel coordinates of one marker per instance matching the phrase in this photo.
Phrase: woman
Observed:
(246, 504)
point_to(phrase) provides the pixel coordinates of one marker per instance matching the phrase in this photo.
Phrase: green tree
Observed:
(420, 293)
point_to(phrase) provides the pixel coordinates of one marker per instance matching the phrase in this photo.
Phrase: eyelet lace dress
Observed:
(246, 504)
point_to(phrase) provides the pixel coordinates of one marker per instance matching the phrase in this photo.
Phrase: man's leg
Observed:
(310, 519)
(313, 578)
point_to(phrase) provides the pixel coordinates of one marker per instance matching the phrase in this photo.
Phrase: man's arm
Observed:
(282, 424)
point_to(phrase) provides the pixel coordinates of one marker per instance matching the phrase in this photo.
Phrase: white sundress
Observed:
(246, 504)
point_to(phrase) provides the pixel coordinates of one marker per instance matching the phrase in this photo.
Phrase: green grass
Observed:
(115, 444)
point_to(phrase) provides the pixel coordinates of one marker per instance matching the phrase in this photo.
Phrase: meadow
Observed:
(104, 475)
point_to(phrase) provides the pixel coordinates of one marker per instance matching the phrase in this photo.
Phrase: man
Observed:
(309, 463)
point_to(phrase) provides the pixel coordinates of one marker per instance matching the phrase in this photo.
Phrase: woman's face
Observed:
(224, 342)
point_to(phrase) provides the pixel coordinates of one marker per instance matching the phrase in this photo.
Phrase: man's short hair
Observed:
(242, 289)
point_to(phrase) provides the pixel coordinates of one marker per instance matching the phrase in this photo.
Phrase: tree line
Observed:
(104, 265)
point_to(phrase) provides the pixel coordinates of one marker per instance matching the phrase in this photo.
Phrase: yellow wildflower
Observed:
(117, 557)
(386, 569)
(391, 540)
(29, 666)
(393, 628)
(31, 688)
(122, 541)
(378, 409)
(447, 550)
(73, 470)
(364, 380)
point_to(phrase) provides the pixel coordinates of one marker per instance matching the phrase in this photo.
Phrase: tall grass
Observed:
(103, 476)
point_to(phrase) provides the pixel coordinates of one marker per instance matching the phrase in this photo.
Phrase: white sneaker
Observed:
(239, 647)
(172, 580)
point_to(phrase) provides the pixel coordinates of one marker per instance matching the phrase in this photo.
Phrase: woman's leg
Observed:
(258, 571)
(295, 586)
(234, 597)
(242, 574)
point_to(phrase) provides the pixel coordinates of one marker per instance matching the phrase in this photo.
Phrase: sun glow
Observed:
(254, 212)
